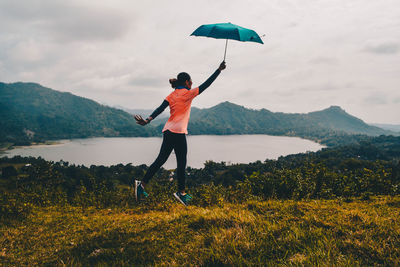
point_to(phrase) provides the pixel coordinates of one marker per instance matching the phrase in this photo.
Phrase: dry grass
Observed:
(315, 232)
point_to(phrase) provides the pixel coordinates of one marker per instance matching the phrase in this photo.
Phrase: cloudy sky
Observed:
(317, 53)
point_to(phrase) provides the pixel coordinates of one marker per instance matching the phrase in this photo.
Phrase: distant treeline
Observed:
(358, 170)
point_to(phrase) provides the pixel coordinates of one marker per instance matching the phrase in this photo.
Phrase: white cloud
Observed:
(66, 21)
(376, 99)
(387, 48)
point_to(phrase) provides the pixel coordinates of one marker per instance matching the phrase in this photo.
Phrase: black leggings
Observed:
(177, 142)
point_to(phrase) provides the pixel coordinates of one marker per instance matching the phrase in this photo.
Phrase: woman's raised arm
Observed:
(212, 78)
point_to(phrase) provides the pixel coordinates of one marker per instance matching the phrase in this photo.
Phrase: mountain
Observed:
(31, 112)
(389, 127)
(228, 118)
(336, 118)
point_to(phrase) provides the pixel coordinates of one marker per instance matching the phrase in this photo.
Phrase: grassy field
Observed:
(315, 232)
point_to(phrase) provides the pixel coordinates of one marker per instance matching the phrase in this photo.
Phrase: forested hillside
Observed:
(30, 112)
(228, 118)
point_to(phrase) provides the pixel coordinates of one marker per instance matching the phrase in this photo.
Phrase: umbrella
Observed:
(227, 31)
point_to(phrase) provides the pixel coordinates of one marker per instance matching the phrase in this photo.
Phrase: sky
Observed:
(316, 53)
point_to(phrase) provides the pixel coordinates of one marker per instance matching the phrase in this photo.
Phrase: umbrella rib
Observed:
(238, 32)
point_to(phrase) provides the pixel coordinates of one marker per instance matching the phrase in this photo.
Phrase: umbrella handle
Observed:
(226, 44)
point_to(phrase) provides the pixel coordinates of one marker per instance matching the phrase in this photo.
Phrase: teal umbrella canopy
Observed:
(227, 31)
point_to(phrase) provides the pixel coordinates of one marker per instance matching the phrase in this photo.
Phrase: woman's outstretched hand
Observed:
(140, 120)
(222, 66)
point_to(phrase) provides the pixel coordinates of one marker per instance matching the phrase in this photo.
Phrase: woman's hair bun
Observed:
(173, 82)
(180, 80)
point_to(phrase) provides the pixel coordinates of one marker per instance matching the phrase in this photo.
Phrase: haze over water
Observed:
(144, 150)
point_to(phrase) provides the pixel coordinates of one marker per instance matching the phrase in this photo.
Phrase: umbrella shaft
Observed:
(226, 44)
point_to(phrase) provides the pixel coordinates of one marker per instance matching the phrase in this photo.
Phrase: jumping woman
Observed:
(175, 130)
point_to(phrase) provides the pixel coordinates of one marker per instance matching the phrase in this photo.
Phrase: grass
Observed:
(274, 232)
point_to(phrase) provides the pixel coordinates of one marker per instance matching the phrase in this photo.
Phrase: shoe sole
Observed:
(178, 198)
(137, 183)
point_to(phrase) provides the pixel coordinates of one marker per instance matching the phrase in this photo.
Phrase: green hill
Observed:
(331, 126)
(336, 118)
(228, 118)
(31, 112)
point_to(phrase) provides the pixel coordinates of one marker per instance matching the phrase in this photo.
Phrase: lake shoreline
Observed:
(5, 146)
(108, 151)
(10, 146)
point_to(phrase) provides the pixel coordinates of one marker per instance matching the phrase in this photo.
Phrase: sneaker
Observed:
(184, 199)
(139, 191)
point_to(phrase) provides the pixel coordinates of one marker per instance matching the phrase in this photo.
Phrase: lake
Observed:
(144, 150)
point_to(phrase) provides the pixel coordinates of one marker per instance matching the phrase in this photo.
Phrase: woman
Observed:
(175, 130)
